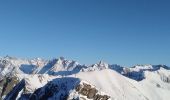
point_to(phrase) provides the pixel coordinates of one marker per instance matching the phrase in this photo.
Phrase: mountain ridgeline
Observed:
(61, 79)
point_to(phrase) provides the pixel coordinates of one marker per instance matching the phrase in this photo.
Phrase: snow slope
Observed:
(113, 83)
(123, 88)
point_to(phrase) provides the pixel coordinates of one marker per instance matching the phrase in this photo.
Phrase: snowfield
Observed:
(123, 88)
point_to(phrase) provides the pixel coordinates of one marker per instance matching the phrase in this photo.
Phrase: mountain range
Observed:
(62, 79)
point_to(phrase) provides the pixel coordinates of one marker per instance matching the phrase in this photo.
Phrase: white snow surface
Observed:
(122, 88)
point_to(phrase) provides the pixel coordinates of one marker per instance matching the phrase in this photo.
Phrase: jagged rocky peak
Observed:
(38, 59)
(103, 64)
(67, 63)
(4, 62)
(99, 66)
(62, 58)
(60, 64)
(9, 57)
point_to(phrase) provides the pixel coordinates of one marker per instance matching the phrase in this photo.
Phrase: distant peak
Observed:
(102, 62)
(61, 58)
(38, 58)
(101, 65)
(9, 57)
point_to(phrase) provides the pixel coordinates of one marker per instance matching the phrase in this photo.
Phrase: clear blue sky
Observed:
(124, 32)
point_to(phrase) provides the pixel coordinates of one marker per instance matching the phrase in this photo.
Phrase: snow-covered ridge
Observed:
(31, 78)
(64, 67)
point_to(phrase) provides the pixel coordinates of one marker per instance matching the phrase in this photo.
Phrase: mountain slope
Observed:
(66, 79)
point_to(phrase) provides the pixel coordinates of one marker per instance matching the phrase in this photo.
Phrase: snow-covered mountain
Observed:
(61, 79)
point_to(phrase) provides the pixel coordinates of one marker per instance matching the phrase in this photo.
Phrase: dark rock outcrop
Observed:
(12, 95)
(7, 85)
(90, 92)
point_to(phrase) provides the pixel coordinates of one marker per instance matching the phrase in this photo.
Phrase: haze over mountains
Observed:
(62, 79)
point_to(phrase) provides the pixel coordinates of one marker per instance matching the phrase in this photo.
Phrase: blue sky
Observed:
(124, 32)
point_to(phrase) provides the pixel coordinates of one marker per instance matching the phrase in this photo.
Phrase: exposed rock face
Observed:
(58, 89)
(90, 92)
(165, 78)
(12, 95)
(7, 84)
(48, 92)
